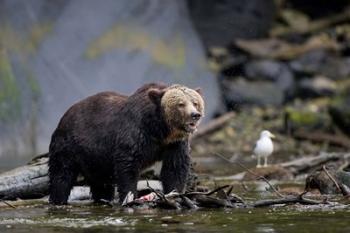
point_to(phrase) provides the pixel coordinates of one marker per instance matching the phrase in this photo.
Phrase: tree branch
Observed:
(251, 172)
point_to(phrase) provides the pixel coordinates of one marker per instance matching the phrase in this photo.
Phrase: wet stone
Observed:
(321, 181)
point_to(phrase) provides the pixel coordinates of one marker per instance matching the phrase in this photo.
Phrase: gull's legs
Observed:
(265, 161)
(258, 165)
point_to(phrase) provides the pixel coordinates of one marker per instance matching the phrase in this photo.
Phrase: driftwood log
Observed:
(31, 180)
(321, 137)
(221, 197)
(307, 163)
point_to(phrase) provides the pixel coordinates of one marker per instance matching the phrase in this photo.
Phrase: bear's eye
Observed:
(181, 104)
(195, 104)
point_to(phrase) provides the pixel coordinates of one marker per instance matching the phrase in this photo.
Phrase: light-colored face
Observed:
(183, 108)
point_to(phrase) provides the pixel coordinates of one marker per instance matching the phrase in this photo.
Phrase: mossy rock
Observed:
(306, 119)
(339, 111)
(320, 180)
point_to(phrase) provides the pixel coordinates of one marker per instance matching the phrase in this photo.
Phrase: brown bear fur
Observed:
(109, 138)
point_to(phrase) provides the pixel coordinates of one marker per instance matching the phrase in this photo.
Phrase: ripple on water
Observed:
(66, 222)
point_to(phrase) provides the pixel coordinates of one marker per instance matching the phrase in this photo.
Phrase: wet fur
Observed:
(109, 138)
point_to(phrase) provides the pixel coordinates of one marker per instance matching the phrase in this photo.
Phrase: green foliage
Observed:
(171, 53)
(10, 105)
(302, 117)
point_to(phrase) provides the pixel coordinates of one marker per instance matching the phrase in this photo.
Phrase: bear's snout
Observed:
(195, 116)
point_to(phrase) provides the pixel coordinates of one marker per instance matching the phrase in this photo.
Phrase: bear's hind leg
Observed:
(102, 192)
(62, 176)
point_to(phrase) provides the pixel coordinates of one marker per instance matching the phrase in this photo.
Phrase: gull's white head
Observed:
(266, 133)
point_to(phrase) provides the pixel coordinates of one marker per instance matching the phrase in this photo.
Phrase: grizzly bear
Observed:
(110, 138)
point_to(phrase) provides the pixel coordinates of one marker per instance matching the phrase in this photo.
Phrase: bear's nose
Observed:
(195, 115)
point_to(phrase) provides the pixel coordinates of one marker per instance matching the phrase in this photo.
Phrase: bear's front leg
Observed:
(126, 174)
(175, 168)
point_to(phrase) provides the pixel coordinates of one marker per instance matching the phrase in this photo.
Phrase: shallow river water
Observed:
(41, 218)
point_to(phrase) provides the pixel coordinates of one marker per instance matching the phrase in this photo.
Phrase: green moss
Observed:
(27, 44)
(34, 86)
(36, 36)
(302, 117)
(171, 54)
(23, 46)
(10, 106)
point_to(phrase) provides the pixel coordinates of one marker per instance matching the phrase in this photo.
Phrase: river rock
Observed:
(240, 92)
(316, 87)
(219, 22)
(322, 62)
(321, 181)
(273, 71)
(340, 113)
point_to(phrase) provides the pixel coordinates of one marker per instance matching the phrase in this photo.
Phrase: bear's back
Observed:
(91, 117)
(95, 106)
(109, 119)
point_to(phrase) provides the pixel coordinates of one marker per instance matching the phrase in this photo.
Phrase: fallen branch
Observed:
(208, 193)
(331, 177)
(306, 163)
(28, 202)
(322, 137)
(210, 202)
(343, 189)
(251, 172)
(9, 204)
(287, 200)
(222, 199)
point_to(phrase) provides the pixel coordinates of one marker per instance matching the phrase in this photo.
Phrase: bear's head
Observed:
(182, 108)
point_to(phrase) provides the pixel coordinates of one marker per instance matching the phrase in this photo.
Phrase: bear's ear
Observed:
(199, 91)
(155, 94)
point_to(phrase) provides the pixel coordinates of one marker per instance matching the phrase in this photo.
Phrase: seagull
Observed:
(264, 147)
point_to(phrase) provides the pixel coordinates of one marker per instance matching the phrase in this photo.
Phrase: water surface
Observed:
(90, 218)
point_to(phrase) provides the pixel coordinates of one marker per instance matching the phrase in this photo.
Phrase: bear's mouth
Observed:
(191, 127)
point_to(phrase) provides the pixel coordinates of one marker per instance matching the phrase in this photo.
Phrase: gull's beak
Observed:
(272, 135)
